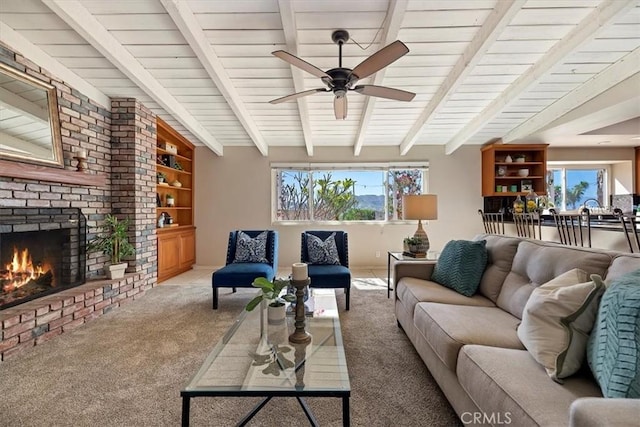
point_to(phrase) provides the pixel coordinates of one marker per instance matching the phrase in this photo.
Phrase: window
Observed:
(570, 187)
(344, 193)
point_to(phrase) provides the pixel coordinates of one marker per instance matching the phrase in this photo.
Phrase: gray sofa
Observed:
(471, 348)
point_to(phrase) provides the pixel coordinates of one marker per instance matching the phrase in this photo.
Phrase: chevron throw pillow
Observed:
(613, 352)
(461, 266)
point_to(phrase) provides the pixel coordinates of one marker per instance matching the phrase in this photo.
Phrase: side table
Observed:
(398, 256)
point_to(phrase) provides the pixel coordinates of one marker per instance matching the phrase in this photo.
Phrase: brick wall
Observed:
(120, 140)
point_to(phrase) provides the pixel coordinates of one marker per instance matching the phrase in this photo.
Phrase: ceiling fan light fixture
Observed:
(340, 80)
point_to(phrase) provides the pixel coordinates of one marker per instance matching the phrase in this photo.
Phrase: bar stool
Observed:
(573, 229)
(528, 225)
(630, 227)
(493, 222)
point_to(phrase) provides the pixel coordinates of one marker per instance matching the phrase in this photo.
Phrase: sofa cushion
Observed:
(557, 321)
(448, 327)
(537, 262)
(251, 249)
(614, 345)
(500, 253)
(621, 265)
(507, 381)
(322, 251)
(461, 265)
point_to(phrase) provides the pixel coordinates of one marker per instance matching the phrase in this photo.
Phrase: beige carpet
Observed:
(127, 367)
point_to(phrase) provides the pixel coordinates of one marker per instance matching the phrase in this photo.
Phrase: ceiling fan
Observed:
(341, 80)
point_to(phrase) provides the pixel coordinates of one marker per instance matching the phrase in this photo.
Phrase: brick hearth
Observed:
(37, 321)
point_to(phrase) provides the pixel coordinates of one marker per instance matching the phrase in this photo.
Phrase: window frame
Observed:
(324, 167)
(563, 166)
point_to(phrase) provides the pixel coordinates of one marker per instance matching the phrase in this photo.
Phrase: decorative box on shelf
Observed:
(169, 147)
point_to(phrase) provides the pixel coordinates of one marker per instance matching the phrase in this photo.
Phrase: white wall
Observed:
(234, 192)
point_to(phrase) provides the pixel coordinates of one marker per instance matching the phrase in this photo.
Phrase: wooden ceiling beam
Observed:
(87, 26)
(488, 33)
(191, 30)
(623, 69)
(20, 44)
(288, 18)
(396, 11)
(586, 30)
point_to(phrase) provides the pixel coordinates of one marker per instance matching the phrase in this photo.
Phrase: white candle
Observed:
(81, 153)
(300, 271)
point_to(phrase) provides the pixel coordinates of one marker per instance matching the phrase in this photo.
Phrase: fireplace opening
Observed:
(42, 251)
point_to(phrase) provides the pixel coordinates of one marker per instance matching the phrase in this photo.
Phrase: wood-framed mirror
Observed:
(29, 121)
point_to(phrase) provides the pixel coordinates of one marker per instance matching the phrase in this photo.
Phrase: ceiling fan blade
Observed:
(380, 59)
(297, 95)
(303, 65)
(385, 92)
(340, 107)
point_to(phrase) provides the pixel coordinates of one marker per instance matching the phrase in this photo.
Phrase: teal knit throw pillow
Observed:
(613, 352)
(461, 265)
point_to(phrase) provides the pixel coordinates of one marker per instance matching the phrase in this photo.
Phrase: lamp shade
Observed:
(420, 206)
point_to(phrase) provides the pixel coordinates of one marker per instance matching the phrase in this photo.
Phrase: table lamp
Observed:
(420, 206)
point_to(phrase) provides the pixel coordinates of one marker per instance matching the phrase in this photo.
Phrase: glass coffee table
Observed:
(255, 358)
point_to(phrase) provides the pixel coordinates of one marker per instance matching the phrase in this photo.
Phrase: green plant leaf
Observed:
(253, 303)
(289, 297)
(262, 283)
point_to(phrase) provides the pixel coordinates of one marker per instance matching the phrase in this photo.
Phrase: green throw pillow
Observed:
(461, 265)
(613, 352)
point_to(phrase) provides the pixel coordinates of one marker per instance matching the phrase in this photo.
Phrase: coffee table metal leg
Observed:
(307, 412)
(185, 411)
(346, 418)
(253, 412)
(388, 274)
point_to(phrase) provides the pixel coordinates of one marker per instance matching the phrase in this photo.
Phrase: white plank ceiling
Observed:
(522, 70)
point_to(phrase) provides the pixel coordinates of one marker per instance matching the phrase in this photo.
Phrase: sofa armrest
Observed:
(417, 269)
(601, 412)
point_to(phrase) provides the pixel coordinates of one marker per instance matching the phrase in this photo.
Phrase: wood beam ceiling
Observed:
(391, 29)
(191, 30)
(611, 76)
(287, 16)
(37, 55)
(84, 23)
(488, 33)
(586, 30)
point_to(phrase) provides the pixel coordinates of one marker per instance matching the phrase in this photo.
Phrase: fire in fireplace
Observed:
(22, 272)
(42, 251)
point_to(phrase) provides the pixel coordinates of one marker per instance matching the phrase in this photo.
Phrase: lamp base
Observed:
(424, 245)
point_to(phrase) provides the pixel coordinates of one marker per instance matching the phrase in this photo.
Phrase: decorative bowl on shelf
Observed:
(523, 172)
(176, 183)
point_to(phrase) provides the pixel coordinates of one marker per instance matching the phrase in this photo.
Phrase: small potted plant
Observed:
(519, 158)
(114, 242)
(271, 292)
(162, 178)
(412, 244)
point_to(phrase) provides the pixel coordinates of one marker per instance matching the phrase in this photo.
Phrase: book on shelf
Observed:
(415, 255)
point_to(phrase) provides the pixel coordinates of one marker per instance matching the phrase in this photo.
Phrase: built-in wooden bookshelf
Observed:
(176, 238)
(501, 163)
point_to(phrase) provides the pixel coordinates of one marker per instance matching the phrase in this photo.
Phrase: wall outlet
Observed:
(377, 254)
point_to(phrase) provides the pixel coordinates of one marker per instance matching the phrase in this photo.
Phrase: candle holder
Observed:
(81, 157)
(300, 336)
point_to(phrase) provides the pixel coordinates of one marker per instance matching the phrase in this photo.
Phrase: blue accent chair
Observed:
(241, 274)
(329, 276)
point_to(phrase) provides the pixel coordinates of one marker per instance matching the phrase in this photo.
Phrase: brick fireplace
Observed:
(120, 140)
(42, 251)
